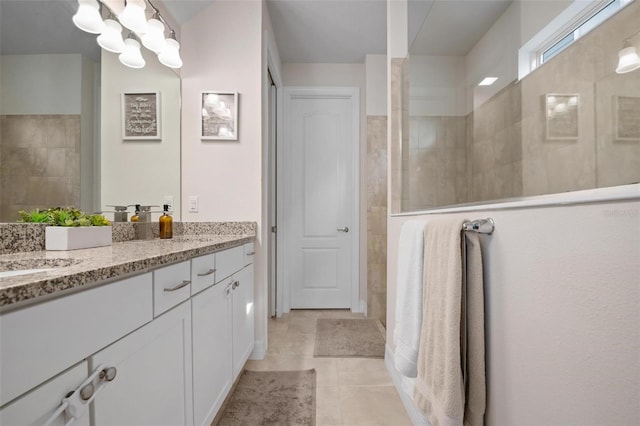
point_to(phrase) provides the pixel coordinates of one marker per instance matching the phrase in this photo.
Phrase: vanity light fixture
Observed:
(628, 59)
(488, 81)
(153, 39)
(131, 55)
(88, 17)
(151, 33)
(170, 55)
(133, 16)
(111, 38)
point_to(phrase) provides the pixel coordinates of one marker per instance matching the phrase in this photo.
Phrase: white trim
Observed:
(417, 418)
(259, 350)
(352, 93)
(598, 195)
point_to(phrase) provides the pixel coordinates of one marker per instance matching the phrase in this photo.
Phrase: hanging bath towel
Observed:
(440, 385)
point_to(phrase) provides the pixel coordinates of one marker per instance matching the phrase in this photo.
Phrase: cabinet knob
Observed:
(108, 374)
(87, 392)
(236, 284)
(345, 229)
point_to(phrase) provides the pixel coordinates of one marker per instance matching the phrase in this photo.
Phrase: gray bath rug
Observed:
(349, 338)
(278, 398)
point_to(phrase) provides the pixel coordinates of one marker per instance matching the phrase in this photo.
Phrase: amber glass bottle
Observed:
(166, 224)
(135, 216)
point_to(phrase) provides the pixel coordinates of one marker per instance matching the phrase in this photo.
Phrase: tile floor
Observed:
(350, 391)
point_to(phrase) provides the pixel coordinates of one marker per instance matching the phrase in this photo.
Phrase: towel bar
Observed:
(481, 226)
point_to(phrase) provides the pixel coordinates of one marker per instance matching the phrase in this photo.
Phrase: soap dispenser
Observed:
(136, 215)
(166, 223)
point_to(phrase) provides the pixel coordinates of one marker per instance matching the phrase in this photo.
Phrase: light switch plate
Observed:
(193, 204)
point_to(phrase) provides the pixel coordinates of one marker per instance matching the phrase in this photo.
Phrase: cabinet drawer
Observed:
(37, 342)
(171, 285)
(249, 254)
(229, 261)
(203, 272)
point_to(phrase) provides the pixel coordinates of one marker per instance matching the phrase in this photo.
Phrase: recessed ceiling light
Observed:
(488, 81)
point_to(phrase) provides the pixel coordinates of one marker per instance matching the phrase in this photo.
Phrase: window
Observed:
(582, 27)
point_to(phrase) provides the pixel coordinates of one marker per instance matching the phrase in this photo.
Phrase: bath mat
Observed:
(349, 338)
(275, 398)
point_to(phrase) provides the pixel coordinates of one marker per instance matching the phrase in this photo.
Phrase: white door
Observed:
(243, 318)
(321, 145)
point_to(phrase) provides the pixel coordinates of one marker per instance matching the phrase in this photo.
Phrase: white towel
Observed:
(439, 390)
(409, 298)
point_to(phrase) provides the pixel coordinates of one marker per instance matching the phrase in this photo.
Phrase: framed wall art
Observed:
(219, 116)
(141, 116)
(561, 113)
(626, 113)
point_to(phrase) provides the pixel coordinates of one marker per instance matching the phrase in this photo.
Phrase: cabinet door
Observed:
(243, 313)
(153, 385)
(38, 405)
(211, 323)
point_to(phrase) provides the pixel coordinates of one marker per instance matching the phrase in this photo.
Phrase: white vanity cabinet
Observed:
(176, 338)
(243, 318)
(212, 368)
(153, 385)
(223, 338)
(41, 404)
(41, 341)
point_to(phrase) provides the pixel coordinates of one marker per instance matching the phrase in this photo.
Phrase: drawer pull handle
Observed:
(178, 286)
(251, 253)
(209, 272)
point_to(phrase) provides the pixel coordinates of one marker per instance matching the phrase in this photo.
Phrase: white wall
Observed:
(341, 75)
(437, 86)
(222, 50)
(41, 84)
(139, 172)
(495, 55)
(376, 84)
(562, 312)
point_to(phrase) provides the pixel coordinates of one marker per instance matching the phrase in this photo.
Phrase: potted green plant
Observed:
(70, 228)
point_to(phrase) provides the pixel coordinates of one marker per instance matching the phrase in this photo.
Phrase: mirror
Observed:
(61, 140)
(557, 129)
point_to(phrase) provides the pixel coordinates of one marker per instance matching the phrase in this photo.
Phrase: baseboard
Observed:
(417, 418)
(259, 350)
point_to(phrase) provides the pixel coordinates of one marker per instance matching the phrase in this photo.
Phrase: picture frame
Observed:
(219, 117)
(626, 118)
(562, 116)
(141, 116)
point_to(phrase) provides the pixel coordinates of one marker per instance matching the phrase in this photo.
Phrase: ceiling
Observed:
(452, 27)
(306, 31)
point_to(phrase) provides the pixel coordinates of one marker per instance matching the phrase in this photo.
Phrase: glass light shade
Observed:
(133, 16)
(88, 18)
(170, 55)
(629, 60)
(111, 37)
(131, 56)
(153, 39)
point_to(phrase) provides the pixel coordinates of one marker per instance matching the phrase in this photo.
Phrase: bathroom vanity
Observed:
(145, 332)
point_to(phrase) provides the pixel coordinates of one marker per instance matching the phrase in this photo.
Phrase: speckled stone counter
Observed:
(84, 268)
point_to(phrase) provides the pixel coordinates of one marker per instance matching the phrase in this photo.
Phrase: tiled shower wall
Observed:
(40, 158)
(508, 153)
(377, 217)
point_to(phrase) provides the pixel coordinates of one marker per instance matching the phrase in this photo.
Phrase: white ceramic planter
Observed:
(73, 238)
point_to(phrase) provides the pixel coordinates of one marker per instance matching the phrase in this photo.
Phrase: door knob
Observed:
(345, 229)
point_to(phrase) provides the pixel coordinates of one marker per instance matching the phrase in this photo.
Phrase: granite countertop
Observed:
(75, 269)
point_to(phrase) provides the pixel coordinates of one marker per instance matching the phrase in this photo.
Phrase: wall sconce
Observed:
(151, 33)
(628, 59)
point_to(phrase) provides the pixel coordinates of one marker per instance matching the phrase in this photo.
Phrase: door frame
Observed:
(284, 179)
